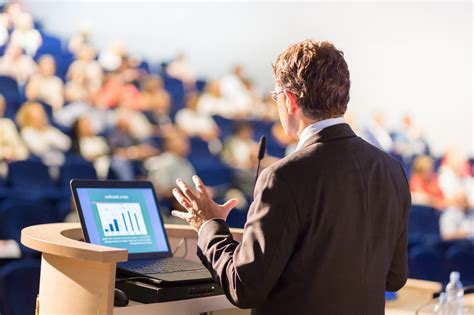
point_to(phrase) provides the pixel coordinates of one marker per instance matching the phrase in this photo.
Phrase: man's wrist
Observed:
(203, 224)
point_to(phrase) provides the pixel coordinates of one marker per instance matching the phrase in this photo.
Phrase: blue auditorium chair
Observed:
(427, 262)
(50, 45)
(23, 212)
(30, 179)
(261, 128)
(461, 258)
(200, 85)
(19, 286)
(11, 92)
(176, 90)
(423, 225)
(75, 167)
(226, 126)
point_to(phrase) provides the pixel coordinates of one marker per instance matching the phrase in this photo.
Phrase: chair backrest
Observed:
(29, 174)
(11, 92)
(76, 170)
(19, 286)
(20, 213)
(461, 258)
(226, 126)
(423, 223)
(426, 262)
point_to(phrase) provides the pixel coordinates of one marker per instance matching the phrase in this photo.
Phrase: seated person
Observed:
(87, 143)
(211, 102)
(11, 144)
(156, 99)
(45, 86)
(125, 147)
(42, 139)
(179, 69)
(17, 65)
(194, 123)
(86, 70)
(163, 170)
(240, 152)
(424, 184)
(24, 35)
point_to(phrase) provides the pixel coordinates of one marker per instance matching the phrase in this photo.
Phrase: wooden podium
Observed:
(79, 278)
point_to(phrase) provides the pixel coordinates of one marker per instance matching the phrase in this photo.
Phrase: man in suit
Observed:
(327, 231)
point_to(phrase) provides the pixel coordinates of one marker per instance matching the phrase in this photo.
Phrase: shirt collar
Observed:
(315, 128)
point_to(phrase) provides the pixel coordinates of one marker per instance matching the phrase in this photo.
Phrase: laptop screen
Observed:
(122, 217)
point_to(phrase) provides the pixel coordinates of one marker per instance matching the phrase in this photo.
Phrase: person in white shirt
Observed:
(17, 65)
(86, 71)
(12, 147)
(235, 92)
(111, 58)
(42, 139)
(25, 35)
(194, 123)
(87, 143)
(376, 133)
(45, 86)
(456, 221)
(179, 69)
(211, 102)
(163, 169)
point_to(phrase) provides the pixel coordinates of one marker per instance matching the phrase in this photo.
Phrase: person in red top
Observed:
(424, 185)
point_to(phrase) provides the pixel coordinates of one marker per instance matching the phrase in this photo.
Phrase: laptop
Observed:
(125, 214)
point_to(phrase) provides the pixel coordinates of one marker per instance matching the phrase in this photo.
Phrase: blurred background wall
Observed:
(405, 57)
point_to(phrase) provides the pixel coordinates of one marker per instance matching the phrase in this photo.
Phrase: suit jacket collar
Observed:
(335, 132)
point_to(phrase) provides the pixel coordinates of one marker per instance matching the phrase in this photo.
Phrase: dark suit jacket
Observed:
(326, 233)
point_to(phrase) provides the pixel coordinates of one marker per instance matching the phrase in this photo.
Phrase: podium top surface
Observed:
(64, 239)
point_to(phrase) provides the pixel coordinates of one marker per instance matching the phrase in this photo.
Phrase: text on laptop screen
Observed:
(124, 218)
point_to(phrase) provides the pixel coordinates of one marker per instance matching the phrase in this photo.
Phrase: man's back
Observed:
(352, 202)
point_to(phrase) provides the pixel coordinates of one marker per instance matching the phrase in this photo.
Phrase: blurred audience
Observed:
(86, 71)
(424, 185)
(235, 91)
(42, 139)
(179, 69)
(126, 148)
(111, 57)
(376, 133)
(211, 102)
(163, 170)
(24, 35)
(87, 143)
(17, 65)
(194, 123)
(409, 141)
(11, 144)
(44, 86)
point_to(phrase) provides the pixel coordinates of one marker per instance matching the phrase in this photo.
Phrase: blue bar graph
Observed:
(124, 222)
(111, 227)
(116, 225)
(136, 220)
(130, 218)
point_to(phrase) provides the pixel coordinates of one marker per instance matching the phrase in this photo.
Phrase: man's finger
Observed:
(186, 190)
(230, 204)
(200, 186)
(182, 199)
(181, 215)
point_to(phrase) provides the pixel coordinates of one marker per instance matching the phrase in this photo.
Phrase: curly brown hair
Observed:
(317, 74)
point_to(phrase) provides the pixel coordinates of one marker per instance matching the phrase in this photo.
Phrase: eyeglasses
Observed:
(274, 94)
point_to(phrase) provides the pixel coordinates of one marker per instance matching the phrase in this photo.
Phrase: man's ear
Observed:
(290, 102)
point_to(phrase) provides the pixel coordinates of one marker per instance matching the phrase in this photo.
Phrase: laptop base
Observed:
(148, 293)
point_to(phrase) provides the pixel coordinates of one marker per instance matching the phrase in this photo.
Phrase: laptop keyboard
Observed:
(162, 265)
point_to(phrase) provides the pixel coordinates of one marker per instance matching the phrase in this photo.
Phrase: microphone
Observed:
(261, 154)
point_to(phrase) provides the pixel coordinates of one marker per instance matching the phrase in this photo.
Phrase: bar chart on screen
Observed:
(121, 219)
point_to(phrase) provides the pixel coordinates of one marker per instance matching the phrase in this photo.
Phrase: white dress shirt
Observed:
(307, 133)
(315, 128)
